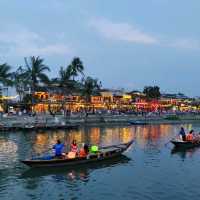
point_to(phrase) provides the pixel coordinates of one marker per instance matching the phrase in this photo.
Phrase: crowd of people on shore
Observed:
(84, 112)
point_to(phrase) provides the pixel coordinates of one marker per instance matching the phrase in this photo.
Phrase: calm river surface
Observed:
(149, 170)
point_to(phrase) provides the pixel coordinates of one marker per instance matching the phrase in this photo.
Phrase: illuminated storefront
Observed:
(48, 102)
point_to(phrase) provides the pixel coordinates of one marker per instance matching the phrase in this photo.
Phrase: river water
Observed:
(150, 169)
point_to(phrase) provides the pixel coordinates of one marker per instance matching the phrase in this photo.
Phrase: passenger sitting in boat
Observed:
(190, 136)
(182, 134)
(94, 149)
(84, 151)
(59, 147)
(86, 148)
(74, 147)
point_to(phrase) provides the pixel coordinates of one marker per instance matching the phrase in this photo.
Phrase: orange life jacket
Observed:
(189, 137)
(82, 153)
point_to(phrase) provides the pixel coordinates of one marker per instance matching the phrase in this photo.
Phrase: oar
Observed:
(42, 153)
(167, 143)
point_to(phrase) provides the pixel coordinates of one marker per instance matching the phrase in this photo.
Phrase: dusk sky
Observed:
(126, 44)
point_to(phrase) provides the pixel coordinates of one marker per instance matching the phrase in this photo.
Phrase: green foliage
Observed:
(20, 81)
(76, 67)
(35, 72)
(90, 87)
(152, 92)
(5, 75)
(33, 77)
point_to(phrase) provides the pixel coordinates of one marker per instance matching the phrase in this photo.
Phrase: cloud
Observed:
(122, 31)
(129, 33)
(26, 43)
(186, 43)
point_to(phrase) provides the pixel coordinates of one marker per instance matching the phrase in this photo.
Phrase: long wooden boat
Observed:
(138, 122)
(76, 169)
(103, 154)
(185, 144)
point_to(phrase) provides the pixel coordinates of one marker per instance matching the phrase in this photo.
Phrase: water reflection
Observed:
(74, 172)
(150, 163)
(96, 135)
(8, 153)
(184, 153)
(39, 142)
(147, 137)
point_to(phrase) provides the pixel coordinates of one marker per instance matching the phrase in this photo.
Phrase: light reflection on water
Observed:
(8, 153)
(149, 170)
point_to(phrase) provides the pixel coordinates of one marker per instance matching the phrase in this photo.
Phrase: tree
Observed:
(5, 80)
(20, 82)
(63, 81)
(90, 87)
(76, 67)
(35, 72)
(5, 75)
(152, 92)
(65, 76)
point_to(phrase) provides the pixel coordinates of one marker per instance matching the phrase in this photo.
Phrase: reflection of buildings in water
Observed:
(94, 136)
(8, 147)
(114, 135)
(41, 138)
(77, 135)
(188, 127)
(154, 133)
(8, 153)
(46, 140)
(107, 137)
(82, 175)
(126, 135)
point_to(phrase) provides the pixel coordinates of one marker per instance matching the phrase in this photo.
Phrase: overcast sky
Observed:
(125, 43)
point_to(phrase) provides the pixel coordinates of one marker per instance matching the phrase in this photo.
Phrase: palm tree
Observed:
(20, 81)
(5, 80)
(35, 72)
(65, 81)
(76, 67)
(65, 76)
(90, 87)
(5, 75)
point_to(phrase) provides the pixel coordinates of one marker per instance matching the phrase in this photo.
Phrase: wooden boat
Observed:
(103, 154)
(138, 122)
(185, 144)
(84, 169)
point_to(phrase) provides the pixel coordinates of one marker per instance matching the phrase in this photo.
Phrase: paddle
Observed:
(167, 143)
(33, 154)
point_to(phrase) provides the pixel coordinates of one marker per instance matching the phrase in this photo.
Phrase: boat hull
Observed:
(138, 123)
(116, 151)
(185, 144)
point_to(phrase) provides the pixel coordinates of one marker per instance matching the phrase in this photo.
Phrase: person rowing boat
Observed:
(58, 147)
(192, 140)
(182, 134)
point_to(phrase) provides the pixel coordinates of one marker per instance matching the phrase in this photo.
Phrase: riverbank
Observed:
(74, 121)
